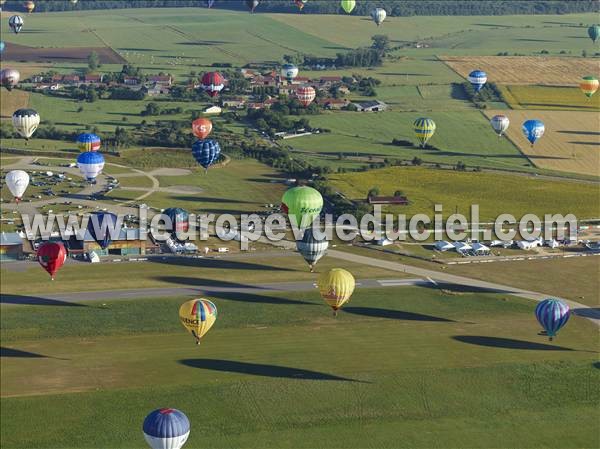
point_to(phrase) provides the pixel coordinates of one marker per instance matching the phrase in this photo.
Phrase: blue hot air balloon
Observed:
(180, 220)
(90, 164)
(552, 314)
(206, 152)
(477, 78)
(2, 46)
(88, 142)
(533, 130)
(99, 227)
(166, 428)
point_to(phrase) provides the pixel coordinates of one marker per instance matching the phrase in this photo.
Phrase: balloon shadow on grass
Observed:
(588, 312)
(216, 264)
(36, 301)
(394, 314)
(254, 298)
(18, 354)
(259, 369)
(507, 343)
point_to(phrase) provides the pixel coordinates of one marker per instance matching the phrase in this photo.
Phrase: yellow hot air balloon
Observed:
(336, 286)
(198, 316)
(589, 85)
(29, 6)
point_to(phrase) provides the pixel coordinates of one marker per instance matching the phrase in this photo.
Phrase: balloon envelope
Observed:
(198, 316)
(202, 127)
(252, 4)
(51, 256)
(302, 204)
(29, 6)
(589, 85)
(2, 46)
(500, 123)
(300, 3)
(10, 78)
(25, 121)
(88, 142)
(424, 128)
(179, 220)
(533, 130)
(289, 72)
(348, 5)
(477, 78)
(90, 164)
(306, 95)
(16, 23)
(17, 182)
(213, 83)
(100, 226)
(594, 32)
(378, 15)
(206, 152)
(552, 314)
(166, 428)
(336, 287)
(311, 248)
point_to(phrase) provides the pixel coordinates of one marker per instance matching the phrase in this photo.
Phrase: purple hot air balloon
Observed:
(552, 315)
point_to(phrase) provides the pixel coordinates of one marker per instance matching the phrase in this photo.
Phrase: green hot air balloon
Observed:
(302, 204)
(594, 32)
(424, 129)
(348, 6)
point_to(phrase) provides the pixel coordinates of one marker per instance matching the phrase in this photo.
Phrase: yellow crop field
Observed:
(526, 69)
(571, 142)
(549, 97)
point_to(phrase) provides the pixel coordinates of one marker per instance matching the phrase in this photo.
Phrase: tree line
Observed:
(393, 7)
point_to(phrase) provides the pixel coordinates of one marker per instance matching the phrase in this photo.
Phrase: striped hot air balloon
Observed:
(424, 128)
(206, 152)
(88, 142)
(213, 83)
(25, 122)
(198, 316)
(477, 78)
(589, 85)
(166, 428)
(348, 5)
(336, 287)
(16, 23)
(306, 95)
(500, 124)
(90, 164)
(311, 248)
(552, 314)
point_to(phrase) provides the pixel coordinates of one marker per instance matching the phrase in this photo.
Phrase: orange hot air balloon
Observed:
(202, 127)
(29, 6)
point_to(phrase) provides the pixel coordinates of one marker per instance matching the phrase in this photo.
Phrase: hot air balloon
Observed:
(202, 127)
(348, 5)
(17, 182)
(25, 122)
(209, 3)
(302, 205)
(306, 95)
(594, 32)
(198, 316)
(88, 142)
(500, 123)
(2, 46)
(99, 227)
(29, 6)
(51, 256)
(15, 23)
(289, 72)
(477, 78)
(552, 314)
(336, 286)
(589, 85)
(90, 164)
(74, 2)
(300, 3)
(378, 15)
(424, 128)
(533, 130)
(166, 428)
(213, 83)
(311, 249)
(10, 78)
(206, 152)
(252, 4)
(180, 220)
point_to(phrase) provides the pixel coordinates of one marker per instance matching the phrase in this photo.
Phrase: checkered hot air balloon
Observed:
(166, 428)
(311, 248)
(206, 152)
(424, 128)
(477, 78)
(306, 95)
(589, 85)
(88, 142)
(198, 316)
(213, 83)
(552, 314)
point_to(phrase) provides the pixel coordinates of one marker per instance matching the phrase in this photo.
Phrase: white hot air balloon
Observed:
(15, 23)
(90, 164)
(17, 182)
(9, 78)
(500, 124)
(25, 122)
(378, 15)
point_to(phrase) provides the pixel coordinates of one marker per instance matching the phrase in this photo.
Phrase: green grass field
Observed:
(494, 193)
(482, 358)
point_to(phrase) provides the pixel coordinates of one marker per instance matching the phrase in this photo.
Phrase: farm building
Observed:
(397, 200)
(371, 106)
(162, 80)
(333, 103)
(128, 243)
(213, 110)
(11, 246)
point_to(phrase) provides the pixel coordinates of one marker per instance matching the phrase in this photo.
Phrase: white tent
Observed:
(528, 244)
(462, 247)
(442, 245)
(480, 249)
(551, 243)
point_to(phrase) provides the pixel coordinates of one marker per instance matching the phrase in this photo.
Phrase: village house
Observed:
(397, 200)
(371, 106)
(157, 89)
(234, 103)
(166, 80)
(131, 81)
(93, 79)
(333, 103)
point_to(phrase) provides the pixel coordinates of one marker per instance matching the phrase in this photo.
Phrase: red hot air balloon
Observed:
(213, 83)
(51, 256)
(306, 95)
(201, 128)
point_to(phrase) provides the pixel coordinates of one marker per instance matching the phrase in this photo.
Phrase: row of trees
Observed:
(393, 7)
